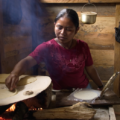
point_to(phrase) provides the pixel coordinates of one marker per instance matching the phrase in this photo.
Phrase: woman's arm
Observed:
(19, 69)
(94, 76)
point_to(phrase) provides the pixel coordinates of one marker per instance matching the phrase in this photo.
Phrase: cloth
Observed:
(65, 66)
(88, 86)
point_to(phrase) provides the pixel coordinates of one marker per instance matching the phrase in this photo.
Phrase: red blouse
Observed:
(65, 66)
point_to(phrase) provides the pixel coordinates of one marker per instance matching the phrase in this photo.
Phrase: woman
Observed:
(64, 56)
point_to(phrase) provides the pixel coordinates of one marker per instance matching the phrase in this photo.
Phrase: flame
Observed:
(1, 118)
(12, 108)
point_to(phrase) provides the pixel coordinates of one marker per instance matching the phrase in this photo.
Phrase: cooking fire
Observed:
(12, 109)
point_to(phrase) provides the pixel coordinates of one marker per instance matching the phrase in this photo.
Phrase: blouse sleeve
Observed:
(39, 53)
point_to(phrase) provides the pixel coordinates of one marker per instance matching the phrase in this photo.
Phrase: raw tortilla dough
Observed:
(26, 80)
(85, 95)
(4, 93)
(23, 79)
(3, 77)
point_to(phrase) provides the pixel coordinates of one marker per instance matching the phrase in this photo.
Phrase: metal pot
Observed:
(88, 17)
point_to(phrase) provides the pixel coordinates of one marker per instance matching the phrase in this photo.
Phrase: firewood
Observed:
(77, 111)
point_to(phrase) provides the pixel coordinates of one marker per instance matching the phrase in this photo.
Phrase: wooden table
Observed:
(104, 109)
(109, 99)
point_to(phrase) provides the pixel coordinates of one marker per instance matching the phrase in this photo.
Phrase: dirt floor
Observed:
(117, 111)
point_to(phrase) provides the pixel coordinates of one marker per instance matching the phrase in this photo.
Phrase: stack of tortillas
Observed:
(28, 86)
(85, 94)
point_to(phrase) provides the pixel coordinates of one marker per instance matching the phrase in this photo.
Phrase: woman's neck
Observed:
(67, 45)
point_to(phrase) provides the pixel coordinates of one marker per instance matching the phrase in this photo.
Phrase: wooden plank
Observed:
(100, 35)
(105, 72)
(17, 31)
(101, 114)
(112, 113)
(103, 57)
(117, 54)
(102, 25)
(8, 64)
(18, 52)
(17, 43)
(79, 1)
(14, 39)
(12, 59)
(94, 86)
(100, 41)
(76, 111)
(1, 36)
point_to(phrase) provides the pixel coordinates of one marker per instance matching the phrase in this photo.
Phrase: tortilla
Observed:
(5, 93)
(3, 77)
(23, 79)
(26, 80)
(85, 95)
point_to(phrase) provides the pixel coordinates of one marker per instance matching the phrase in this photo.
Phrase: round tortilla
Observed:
(3, 77)
(85, 95)
(26, 80)
(23, 79)
(5, 93)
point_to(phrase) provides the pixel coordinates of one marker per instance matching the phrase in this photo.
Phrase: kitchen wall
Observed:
(16, 36)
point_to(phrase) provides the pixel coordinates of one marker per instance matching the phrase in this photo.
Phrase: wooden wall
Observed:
(16, 39)
(117, 53)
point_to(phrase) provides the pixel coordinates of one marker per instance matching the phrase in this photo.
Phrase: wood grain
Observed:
(99, 35)
(100, 41)
(80, 1)
(112, 113)
(103, 57)
(94, 86)
(1, 37)
(117, 54)
(101, 114)
(102, 25)
(105, 72)
(17, 43)
(18, 53)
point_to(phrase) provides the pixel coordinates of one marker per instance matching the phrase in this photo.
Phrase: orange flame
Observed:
(12, 108)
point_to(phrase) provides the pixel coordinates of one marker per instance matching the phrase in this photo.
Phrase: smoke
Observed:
(22, 29)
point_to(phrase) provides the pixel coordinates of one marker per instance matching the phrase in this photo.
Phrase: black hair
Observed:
(71, 14)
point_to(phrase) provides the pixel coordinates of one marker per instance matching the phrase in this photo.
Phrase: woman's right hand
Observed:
(11, 81)
(21, 67)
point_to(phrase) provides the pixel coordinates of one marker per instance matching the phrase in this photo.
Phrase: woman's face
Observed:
(64, 30)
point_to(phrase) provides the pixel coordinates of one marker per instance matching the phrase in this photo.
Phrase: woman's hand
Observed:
(20, 68)
(11, 81)
(100, 88)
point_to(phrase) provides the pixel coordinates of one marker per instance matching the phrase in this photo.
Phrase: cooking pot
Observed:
(88, 17)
